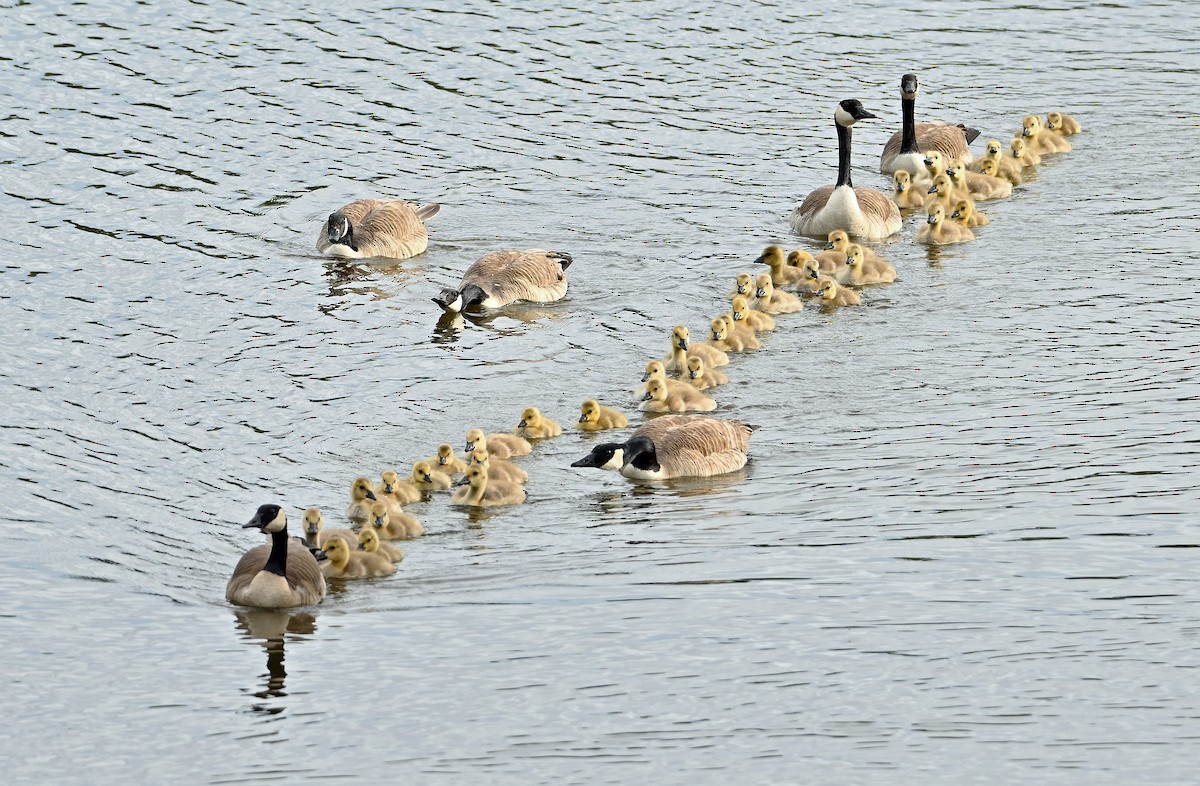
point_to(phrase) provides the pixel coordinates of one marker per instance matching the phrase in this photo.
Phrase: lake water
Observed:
(962, 551)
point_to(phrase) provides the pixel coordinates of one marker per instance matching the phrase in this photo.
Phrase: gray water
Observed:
(962, 550)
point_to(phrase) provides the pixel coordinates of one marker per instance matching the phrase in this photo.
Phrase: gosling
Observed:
(370, 538)
(657, 399)
(426, 478)
(535, 425)
(775, 301)
(475, 490)
(596, 417)
(725, 337)
(863, 272)
(499, 469)
(702, 377)
(903, 193)
(938, 231)
(833, 295)
(498, 445)
(757, 321)
(342, 563)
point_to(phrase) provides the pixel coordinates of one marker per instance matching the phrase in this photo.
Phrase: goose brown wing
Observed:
(814, 201)
(246, 569)
(533, 274)
(304, 573)
(949, 140)
(877, 204)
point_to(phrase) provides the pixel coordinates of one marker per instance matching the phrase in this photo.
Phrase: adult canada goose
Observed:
(1041, 140)
(1023, 153)
(781, 274)
(676, 362)
(906, 148)
(977, 185)
(504, 277)
(498, 469)
(725, 335)
(862, 271)
(534, 425)
(758, 321)
(833, 294)
(477, 491)
(370, 541)
(343, 563)
(498, 445)
(775, 301)
(938, 231)
(1063, 124)
(866, 212)
(389, 228)
(596, 417)
(686, 399)
(280, 575)
(903, 193)
(396, 492)
(966, 215)
(701, 377)
(426, 478)
(362, 494)
(446, 461)
(676, 446)
(315, 534)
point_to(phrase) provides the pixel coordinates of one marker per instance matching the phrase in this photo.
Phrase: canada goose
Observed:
(863, 271)
(389, 228)
(903, 193)
(596, 417)
(1001, 168)
(905, 148)
(865, 212)
(315, 533)
(724, 335)
(279, 575)
(701, 377)
(446, 461)
(977, 185)
(535, 425)
(504, 277)
(687, 399)
(758, 321)
(966, 215)
(362, 494)
(938, 231)
(476, 490)
(743, 285)
(681, 340)
(1063, 124)
(426, 478)
(497, 444)
(397, 526)
(775, 301)
(832, 294)
(1041, 140)
(343, 563)
(1019, 151)
(676, 446)
(940, 191)
(371, 543)
(498, 469)
(394, 491)
(782, 274)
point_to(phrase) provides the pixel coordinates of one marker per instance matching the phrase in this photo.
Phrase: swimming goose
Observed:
(938, 231)
(446, 461)
(477, 491)
(701, 377)
(676, 446)
(725, 336)
(863, 271)
(371, 541)
(426, 478)
(362, 494)
(966, 215)
(1023, 153)
(504, 277)
(498, 469)
(904, 194)
(758, 321)
(977, 185)
(497, 444)
(1063, 124)
(279, 575)
(782, 274)
(389, 228)
(534, 425)
(686, 399)
(1041, 140)
(775, 301)
(315, 534)
(596, 417)
(342, 563)
(906, 148)
(396, 492)
(866, 212)
(833, 294)
(680, 340)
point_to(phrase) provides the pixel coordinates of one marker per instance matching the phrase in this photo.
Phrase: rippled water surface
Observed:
(962, 551)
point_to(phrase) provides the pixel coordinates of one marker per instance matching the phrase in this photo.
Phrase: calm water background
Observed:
(963, 550)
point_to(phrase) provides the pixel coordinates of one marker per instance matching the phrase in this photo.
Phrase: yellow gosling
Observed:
(775, 301)
(1022, 153)
(742, 285)
(426, 478)
(498, 445)
(724, 337)
(342, 563)
(475, 490)
(831, 294)
(657, 399)
(757, 321)
(966, 215)
(445, 460)
(396, 491)
(782, 275)
(593, 416)
(534, 425)
(315, 533)
(362, 494)
(681, 339)
(904, 193)
(1041, 140)
(701, 377)
(976, 185)
(937, 230)
(499, 469)
(371, 536)
(863, 271)
(1063, 124)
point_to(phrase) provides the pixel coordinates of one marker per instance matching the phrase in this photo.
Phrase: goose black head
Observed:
(268, 518)
(850, 112)
(339, 230)
(641, 453)
(606, 455)
(908, 86)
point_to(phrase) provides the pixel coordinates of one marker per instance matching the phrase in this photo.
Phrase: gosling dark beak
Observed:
(428, 478)
(829, 246)
(370, 495)
(932, 190)
(759, 259)
(647, 397)
(931, 220)
(463, 481)
(683, 343)
(521, 424)
(319, 555)
(760, 292)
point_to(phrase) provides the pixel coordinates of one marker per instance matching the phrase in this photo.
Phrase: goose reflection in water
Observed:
(270, 627)
(363, 277)
(451, 323)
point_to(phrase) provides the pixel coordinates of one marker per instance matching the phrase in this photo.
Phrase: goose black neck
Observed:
(908, 139)
(349, 238)
(277, 562)
(843, 155)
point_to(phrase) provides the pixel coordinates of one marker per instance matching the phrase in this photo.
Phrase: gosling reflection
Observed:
(270, 627)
